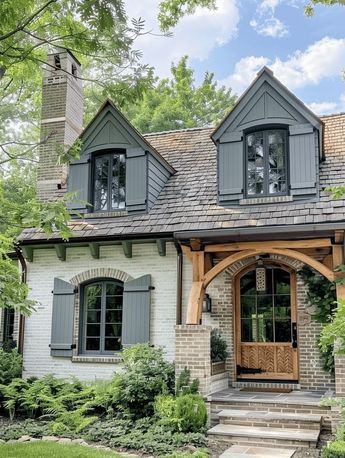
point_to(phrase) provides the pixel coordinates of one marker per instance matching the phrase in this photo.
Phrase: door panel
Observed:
(266, 336)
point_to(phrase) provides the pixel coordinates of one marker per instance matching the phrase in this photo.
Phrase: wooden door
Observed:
(266, 325)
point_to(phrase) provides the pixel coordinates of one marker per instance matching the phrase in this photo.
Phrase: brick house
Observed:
(184, 231)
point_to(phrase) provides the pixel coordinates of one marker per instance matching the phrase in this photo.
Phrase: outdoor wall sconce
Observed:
(207, 304)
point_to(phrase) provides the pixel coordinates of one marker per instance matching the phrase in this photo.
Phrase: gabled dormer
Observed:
(118, 170)
(268, 147)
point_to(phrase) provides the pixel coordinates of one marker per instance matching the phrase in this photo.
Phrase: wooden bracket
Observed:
(127, 249)
(161, 247)
(94, 250)
(28, 253)
(60, 252)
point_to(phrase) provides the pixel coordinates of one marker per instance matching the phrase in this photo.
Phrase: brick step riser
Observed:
(271, 423)
(235, 440)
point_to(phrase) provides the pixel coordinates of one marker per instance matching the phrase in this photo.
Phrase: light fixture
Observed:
(260, 277)
(207, 304)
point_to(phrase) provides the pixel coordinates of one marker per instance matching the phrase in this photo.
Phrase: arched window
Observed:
(102, 316)
(266, 164)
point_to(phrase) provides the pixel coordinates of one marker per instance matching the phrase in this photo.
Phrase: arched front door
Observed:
(266, 324)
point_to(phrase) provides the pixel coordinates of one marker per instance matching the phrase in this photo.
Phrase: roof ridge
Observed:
(186, 129)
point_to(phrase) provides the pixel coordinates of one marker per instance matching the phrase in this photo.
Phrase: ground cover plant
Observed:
(44, 449)
(141, 408)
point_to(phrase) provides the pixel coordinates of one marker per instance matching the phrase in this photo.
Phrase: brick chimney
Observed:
(61, 120)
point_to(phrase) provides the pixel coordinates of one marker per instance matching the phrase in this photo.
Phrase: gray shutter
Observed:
(303, 160)
(79, 182)
(62, 318)
(136, 179)
(230, 169)
(136, 311)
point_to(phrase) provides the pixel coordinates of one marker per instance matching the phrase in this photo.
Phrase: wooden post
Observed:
(197, 292)
(339, 360)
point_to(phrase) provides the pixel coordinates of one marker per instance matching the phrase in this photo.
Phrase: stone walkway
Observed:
(244, 451)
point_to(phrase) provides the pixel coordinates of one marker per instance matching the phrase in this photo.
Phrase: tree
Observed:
(178, 103)
(309, 9)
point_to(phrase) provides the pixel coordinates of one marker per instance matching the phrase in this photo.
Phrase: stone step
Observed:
(256, 435)
(242, 417)
(244, 451)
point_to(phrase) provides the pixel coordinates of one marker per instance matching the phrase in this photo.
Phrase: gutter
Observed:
(179, 283)
(21, 317)
(264, 232)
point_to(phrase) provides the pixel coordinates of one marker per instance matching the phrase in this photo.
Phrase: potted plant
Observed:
(219, 352)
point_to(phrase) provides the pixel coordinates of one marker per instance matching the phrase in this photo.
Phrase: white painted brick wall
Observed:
(41, 274)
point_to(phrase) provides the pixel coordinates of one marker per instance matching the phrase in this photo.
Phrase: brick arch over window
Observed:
(92, 274)
(103, 272)
(238, 266)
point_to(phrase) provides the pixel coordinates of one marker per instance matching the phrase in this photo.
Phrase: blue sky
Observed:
(236, 40)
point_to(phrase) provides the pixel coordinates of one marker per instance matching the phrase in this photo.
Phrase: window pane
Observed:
(113, 316)
(92, 344)
(113, 330)
(248, 307)
(283, 331)
(94, 317)
(255, 164)
(93, 330)
(118, 181)
(101, 183)
(114, 289)
(112, 344)
(114, 302)
(281, 282)
(265, 306)
(248, 283)
(276, 162)
(265, 330)
(248, 330)
(122, 181)
(94, 303)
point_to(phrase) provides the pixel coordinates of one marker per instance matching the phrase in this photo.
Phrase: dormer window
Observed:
(109, 182)
(266, 169)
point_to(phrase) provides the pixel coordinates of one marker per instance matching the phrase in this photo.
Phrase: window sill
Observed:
(97, 359)
(96, 215)
(266, 200)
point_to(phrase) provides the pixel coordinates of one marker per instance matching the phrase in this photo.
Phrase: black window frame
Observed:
(8, 325)
(265, 131)
(83, 315)
(106, 153)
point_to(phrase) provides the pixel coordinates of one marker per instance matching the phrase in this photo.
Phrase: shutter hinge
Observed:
(151, 287)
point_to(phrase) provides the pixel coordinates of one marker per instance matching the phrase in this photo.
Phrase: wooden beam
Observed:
(227, 262)
(187, 252)
(127, 249)
(195, 301)
(315, 243)
(208, 262)
(338, 259)
(60, 251)
(198, 265)
(328, 261)
(28, 253)
(94, 250)
(339, 236)
(195, 244)
(161, 247)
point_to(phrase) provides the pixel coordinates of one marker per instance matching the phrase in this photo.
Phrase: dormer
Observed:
(268, 147)
(118, 171)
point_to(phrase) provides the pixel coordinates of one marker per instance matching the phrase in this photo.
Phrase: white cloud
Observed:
(325, 108)
(196, 35)
(323, 59)
(270, 27)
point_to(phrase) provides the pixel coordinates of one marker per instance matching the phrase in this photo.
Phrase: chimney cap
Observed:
(59, 50)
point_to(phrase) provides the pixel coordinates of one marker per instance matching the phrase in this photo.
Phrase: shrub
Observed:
(334, 449)
(196, 454)
(10, 366)
(184, 385)
(218, 347)
(146, 375)
(14, 431)
(185, 413)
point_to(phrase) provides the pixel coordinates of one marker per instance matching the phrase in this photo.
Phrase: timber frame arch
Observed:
(208, 261)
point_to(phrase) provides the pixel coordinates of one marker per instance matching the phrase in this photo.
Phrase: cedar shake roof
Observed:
(189, 198)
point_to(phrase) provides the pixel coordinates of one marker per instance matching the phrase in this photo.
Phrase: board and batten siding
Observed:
(41, 273)
(230, 170)
(157, 177)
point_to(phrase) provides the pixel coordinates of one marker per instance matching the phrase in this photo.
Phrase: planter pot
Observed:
(217, 367)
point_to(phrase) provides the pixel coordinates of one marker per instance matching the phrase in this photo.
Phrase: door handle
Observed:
(294, 335)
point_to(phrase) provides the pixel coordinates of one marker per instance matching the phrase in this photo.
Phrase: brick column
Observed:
(192, 345)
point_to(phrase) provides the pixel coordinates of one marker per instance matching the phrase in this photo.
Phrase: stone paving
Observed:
(245, 451)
